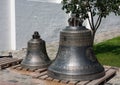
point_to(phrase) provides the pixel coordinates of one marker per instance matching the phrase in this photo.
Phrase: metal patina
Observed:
(75, 59)
(36, 54)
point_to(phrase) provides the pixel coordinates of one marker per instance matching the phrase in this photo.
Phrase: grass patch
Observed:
(108, 52)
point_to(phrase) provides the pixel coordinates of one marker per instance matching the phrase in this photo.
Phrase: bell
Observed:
(36, 54)
(75, 59)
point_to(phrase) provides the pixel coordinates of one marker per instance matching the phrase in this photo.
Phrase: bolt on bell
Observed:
(75, 59)
(36, 56)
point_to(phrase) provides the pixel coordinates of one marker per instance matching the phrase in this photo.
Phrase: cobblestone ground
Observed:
(52, 49)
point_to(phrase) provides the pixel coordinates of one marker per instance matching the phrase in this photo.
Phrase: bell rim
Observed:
(75, 77)
(41, 66)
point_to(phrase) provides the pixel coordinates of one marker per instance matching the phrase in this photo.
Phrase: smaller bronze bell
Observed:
(36, 53)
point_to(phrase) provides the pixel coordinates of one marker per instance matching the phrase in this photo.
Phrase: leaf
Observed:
(97, 7)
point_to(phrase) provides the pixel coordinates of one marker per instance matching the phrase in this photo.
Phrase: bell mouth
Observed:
(41, 66)
(76, 77)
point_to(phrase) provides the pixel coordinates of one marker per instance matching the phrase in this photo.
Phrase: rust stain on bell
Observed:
(36, 56)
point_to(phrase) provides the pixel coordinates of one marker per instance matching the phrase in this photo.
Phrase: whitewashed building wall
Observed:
(34, 15)
(47, 18)
(5, 25)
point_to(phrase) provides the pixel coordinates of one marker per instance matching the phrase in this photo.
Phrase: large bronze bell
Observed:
(75, 59)
(36, 54)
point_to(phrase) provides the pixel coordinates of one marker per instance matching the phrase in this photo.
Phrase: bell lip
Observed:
(41, 66)
(75, 77)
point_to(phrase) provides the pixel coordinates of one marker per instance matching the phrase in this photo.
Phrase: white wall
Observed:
(51, 1)
(5, 25)
(47, 18)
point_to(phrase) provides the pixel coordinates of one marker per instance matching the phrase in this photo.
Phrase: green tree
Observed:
(88, 9)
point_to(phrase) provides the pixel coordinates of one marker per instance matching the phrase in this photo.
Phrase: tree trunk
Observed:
(93, 36)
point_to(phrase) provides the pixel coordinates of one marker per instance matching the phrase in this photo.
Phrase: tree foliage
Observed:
(87, 9)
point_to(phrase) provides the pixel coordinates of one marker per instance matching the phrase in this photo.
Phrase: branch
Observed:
(98, 22)
(92, 20)
(90, 23)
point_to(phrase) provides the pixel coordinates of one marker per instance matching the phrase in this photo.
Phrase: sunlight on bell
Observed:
(72, 64)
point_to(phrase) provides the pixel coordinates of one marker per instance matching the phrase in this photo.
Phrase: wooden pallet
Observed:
(109, 74)
(41, 74)
(7, 62)
(30, 72)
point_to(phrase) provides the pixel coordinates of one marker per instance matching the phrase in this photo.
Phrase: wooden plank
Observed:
(2, 60)
(24, 69)
(83, 83)
(8, 63)
(5, 65)
(49, 79)
(14, 67)
(108, 74)
(19, 68)
(18, 61)
(32, 70)
(40, 70)
(39, 75)
(72, 82)
(64, 81)
(107, 67)
(56, 80)
(43, 77)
